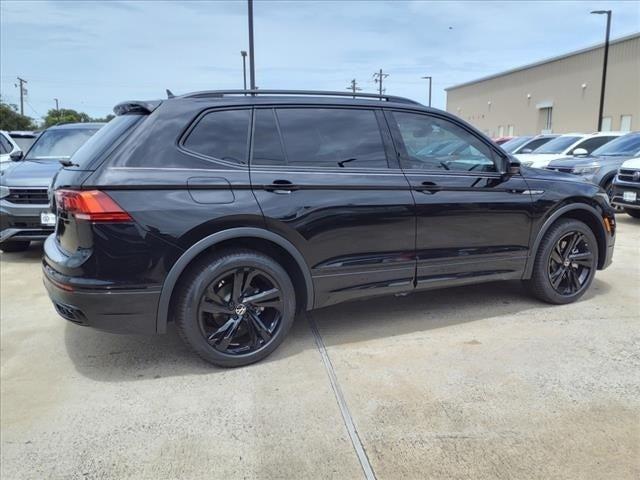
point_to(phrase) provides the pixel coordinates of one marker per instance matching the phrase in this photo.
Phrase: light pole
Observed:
(430, 81)
(252, 67)
(604, 65)
(244, 68)
(57, 109)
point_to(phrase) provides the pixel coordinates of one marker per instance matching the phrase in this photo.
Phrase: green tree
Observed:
(65, 115)
(104, 119)
(10, 119)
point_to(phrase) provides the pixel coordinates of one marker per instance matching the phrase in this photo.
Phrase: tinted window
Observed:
(621, 146)
(222, 134)
(108, 135)
(538, 142)
(511, 145)
(557, 145)
(331, 137)
(437, 144)
(59, 143)
(5, 146)
(24, 142)
(267, 147)
(592, 143)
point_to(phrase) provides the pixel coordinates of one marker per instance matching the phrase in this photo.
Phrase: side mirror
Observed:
(513, 167)
(526, 150)
(580, 152)
(16, 156)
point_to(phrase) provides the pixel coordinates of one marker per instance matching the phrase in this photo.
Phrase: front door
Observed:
(323, 178)
(473, 222)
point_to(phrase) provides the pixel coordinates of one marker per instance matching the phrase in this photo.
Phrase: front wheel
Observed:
(235, 308)
(565, 263)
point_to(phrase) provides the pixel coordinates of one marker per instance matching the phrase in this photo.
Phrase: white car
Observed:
(7, 147)
(626, 187)
(566, 145)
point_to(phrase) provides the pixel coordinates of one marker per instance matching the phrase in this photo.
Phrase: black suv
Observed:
(227, 212)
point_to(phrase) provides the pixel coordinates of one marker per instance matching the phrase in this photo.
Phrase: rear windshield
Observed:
(620, 147)
(101, 141)
(511, 145)
(59, 144)
(557, 145)
(24, 142)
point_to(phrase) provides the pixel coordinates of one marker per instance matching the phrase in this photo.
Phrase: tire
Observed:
(560, 276)
(633, 212)
(14, 246)
(235, 307)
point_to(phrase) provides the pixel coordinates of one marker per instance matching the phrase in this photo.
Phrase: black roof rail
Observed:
(314, 93)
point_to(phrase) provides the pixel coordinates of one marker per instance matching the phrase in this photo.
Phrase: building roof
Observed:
(546, 60)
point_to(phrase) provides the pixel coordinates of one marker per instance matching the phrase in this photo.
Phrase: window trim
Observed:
(499, 157)
(192, 125)
(385, 138)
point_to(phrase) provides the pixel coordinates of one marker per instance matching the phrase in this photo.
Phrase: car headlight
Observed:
(4, 191)
(589, 169)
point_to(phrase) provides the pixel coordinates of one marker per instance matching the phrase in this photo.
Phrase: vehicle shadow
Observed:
(116, 358)
(32, 255)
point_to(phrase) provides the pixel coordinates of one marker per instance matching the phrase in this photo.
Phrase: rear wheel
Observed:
(633, 212)
(14, 246)
(565, 263)
(235, 308)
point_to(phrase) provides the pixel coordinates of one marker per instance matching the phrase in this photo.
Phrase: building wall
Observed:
(516, 98)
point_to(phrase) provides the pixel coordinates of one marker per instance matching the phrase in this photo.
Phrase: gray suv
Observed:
(24, 202)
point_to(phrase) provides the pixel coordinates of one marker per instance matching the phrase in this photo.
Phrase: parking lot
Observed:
(473, 382)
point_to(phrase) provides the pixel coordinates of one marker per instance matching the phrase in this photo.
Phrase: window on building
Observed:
(500, 131)
(606, 124)
(546, 117)
(510, 130)
(625, 123)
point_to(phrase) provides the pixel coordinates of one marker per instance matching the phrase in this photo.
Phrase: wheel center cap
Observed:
(241, 309)
(567, 262)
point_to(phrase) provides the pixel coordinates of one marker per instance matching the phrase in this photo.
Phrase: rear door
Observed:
(325, 178)
(473, 222)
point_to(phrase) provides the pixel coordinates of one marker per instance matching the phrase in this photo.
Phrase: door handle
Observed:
(428, 187)
(280, 187)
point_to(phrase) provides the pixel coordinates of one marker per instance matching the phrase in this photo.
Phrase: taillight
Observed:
(91, 205)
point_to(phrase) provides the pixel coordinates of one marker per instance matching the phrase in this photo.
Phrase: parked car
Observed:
(602, 165)
(7, 147)
(501, 140)
(626, 187)
(527, 143)
(227, 213)
(24, 138)
(565, 145)
(24, 203)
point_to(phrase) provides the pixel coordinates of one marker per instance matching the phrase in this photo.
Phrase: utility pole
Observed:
(430, 81)
(604, 66)
(252, 66)
(244, 68)
(379, 77)
(23, 92)
(57, 109)
(353, 86)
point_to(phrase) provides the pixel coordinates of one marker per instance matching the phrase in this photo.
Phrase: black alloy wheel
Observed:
(570, 263)
(234, 307)
(565, 262)
(240, 311)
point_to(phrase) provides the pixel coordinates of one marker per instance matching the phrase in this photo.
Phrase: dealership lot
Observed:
(473, 382)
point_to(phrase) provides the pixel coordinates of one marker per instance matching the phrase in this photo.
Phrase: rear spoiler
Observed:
(136, 106)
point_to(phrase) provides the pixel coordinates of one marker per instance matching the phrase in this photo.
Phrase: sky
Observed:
(92, 55)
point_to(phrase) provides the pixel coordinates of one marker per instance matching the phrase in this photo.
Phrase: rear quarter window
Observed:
(221, 135)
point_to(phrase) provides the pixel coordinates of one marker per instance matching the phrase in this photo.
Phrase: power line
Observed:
(378, 78)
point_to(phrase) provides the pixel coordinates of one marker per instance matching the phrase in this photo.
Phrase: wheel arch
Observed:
(250, 237)
(578, 211)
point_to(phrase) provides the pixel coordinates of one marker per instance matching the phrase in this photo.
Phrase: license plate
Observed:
(48, 219)
(629, 196)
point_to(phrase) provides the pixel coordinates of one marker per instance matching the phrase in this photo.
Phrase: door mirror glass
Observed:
(16, 156)
(580, 151)
(513, 166)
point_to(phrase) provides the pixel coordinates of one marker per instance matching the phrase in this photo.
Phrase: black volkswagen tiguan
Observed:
(227, 212)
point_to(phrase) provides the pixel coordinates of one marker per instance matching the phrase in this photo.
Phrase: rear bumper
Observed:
(22, 222)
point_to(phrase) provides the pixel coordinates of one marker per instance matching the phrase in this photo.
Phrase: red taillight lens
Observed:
(91, 205)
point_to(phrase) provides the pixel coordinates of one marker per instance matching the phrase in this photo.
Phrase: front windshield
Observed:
(514, 143)
(557, 145)
(24, 142)
(622, 146)
(60, 143)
